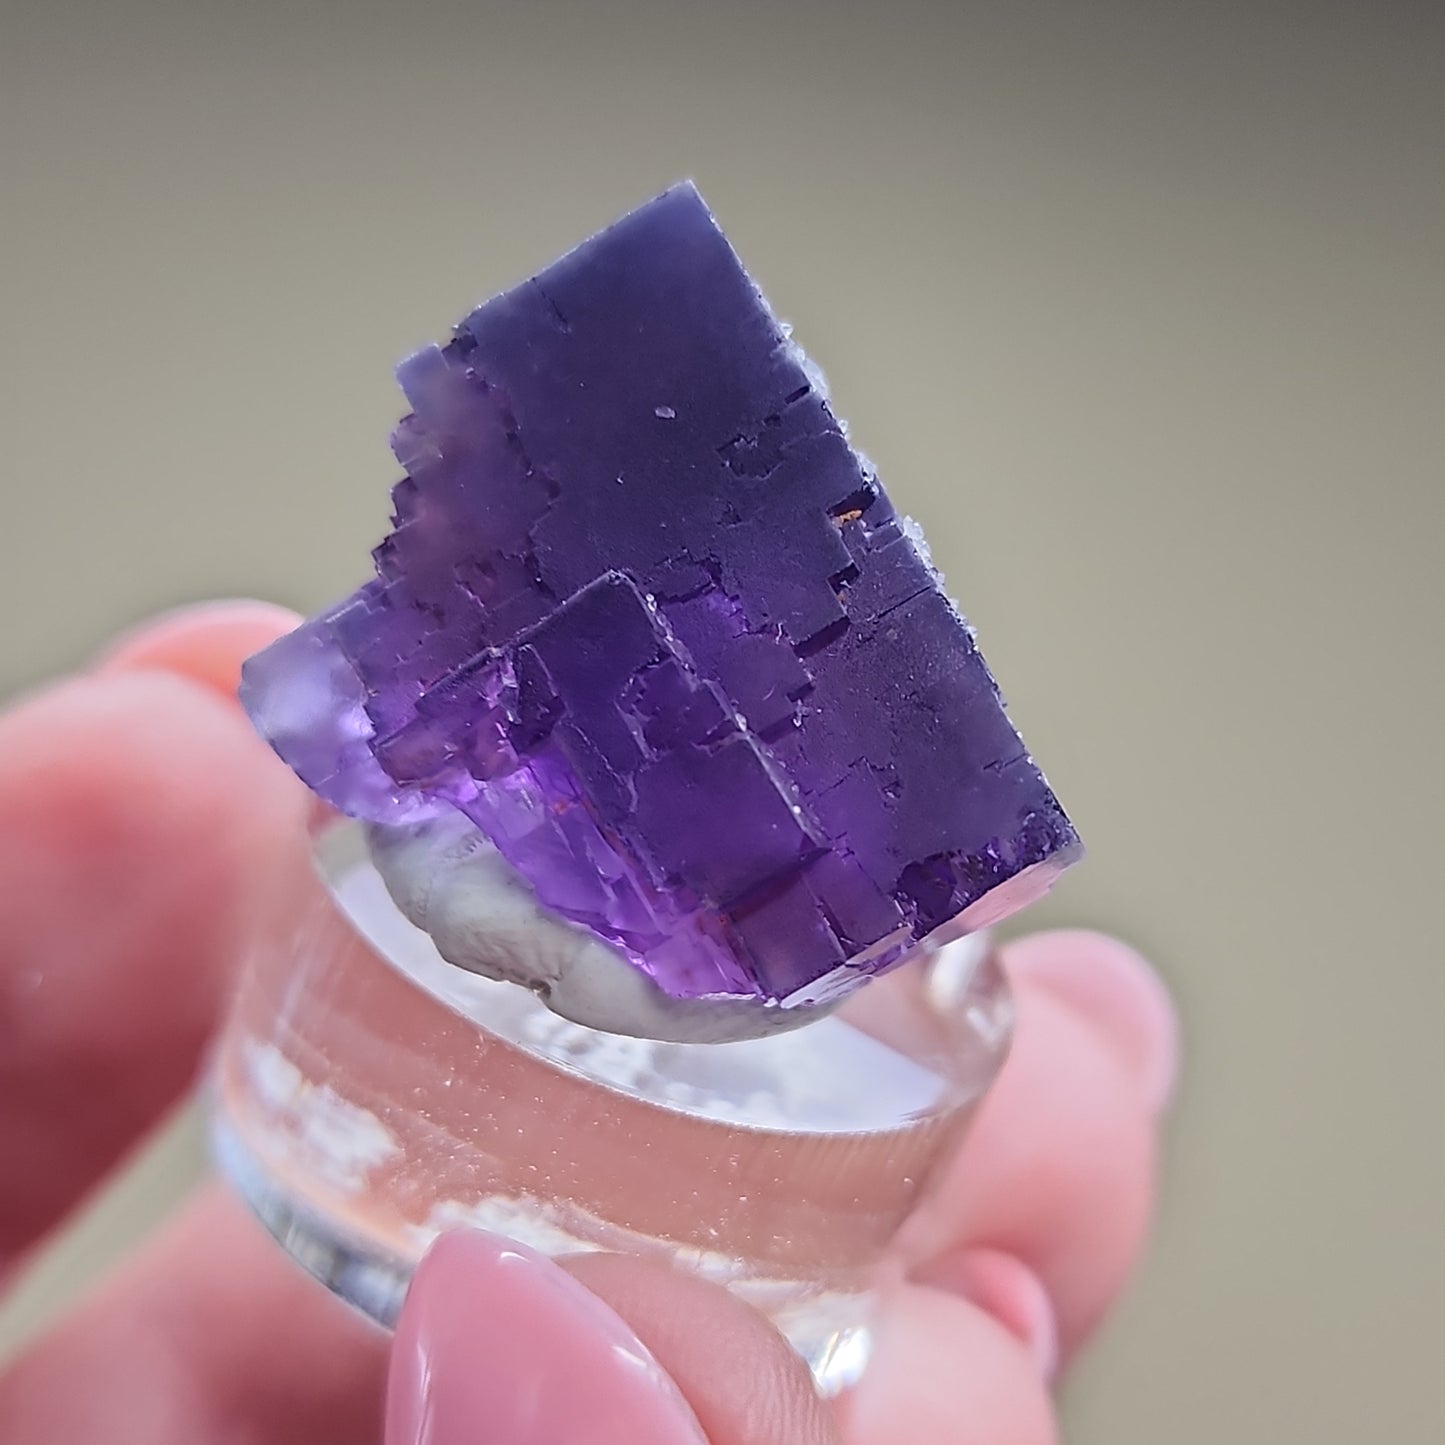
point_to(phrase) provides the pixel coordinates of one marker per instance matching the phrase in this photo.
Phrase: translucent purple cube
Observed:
(649, 621)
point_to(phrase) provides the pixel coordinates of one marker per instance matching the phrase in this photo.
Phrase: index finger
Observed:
(137, 810)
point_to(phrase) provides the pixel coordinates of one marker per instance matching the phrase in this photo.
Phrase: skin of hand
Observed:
(137, 815)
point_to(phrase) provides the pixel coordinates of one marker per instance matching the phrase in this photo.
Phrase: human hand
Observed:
(137, 814)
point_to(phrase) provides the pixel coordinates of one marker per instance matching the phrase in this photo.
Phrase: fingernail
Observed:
(205, 641)
(1118, 992)
(498, 1346)
(1010, 1291)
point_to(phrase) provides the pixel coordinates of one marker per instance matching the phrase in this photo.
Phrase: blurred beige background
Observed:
(1140, 308)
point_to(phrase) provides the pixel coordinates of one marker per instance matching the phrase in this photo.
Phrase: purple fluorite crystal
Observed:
(648, 620)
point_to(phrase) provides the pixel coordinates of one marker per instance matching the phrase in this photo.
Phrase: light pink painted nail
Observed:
(498, 1346)
(1117, 991)
(1006, 1288)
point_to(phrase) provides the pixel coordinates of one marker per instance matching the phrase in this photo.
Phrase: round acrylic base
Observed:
(369, 1095)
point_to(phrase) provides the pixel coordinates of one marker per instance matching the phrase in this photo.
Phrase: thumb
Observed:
(497, 1343)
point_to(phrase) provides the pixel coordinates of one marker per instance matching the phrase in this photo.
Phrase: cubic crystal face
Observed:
(649, 621)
